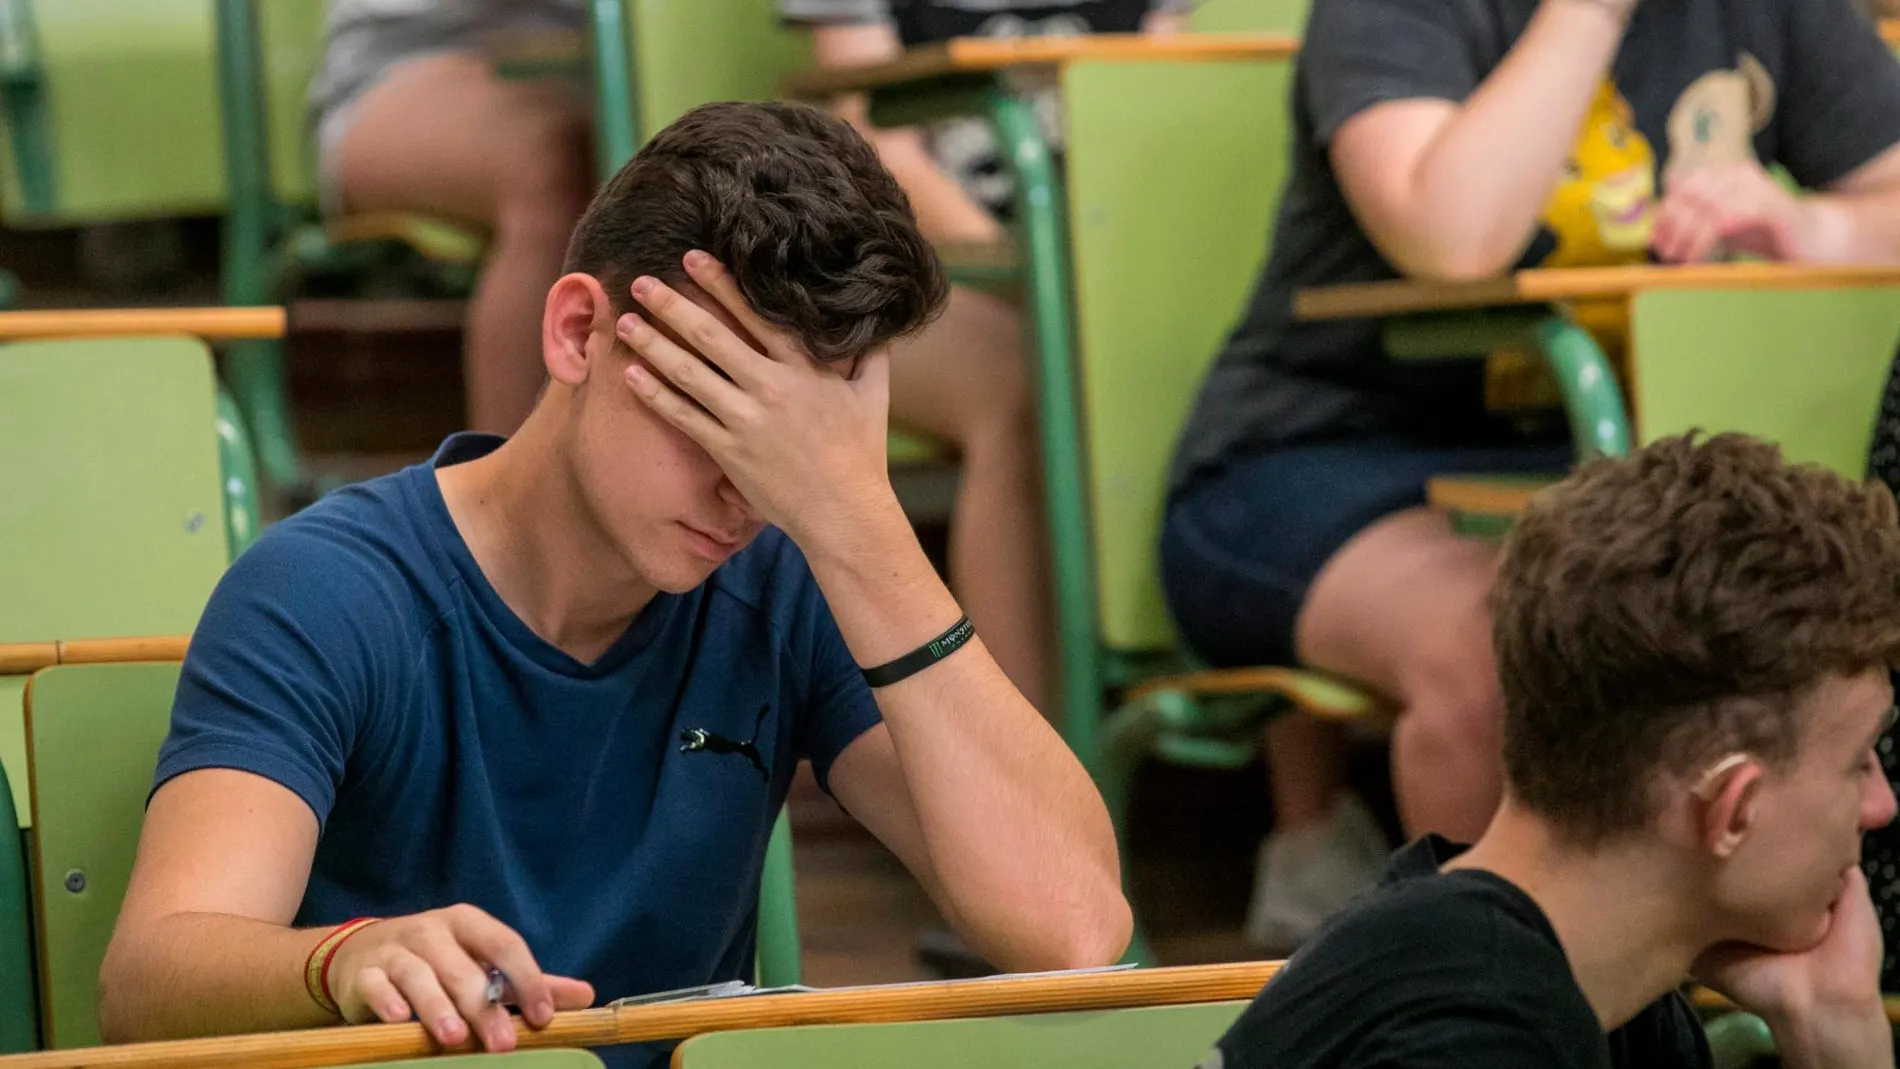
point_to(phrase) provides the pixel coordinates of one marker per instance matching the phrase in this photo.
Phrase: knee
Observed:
(1452, 700)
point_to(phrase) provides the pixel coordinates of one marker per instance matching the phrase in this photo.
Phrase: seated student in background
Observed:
(1694, 644)
(1455, 141)
(969, 370)
(536, 703)
(413, 115)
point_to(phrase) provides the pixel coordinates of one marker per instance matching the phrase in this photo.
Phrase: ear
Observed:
(577, 327)
(1761, 92)
(1726, 800)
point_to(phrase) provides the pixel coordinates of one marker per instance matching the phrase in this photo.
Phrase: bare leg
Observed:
(442, 135)
(964, 380)
(1305, 759)
(1401, 607)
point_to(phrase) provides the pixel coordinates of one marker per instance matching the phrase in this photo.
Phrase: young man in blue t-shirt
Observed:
(536, 703)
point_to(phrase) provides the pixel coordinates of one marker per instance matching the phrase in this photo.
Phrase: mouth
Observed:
(712, 545)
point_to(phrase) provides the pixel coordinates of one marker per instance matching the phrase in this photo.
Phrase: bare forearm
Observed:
(1836, 1039)
(1016, 834)
(1854, 228)
(197, 974)
(1477, 189)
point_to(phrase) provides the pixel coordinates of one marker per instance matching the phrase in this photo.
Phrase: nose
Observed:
(1877, 803)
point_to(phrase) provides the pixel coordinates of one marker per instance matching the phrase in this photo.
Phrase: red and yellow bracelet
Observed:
(316, 968)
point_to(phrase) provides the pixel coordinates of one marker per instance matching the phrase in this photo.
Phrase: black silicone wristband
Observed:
(922, 657)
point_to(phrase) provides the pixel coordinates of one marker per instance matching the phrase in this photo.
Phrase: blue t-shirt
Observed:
(358, 656)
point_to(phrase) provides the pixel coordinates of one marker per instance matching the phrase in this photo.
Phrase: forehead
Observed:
(1843, 711)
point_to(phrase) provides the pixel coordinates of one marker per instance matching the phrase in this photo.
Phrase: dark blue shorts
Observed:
(1240, 545)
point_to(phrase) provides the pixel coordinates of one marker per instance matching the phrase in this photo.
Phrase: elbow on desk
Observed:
(1468, 255)
(1096, 934)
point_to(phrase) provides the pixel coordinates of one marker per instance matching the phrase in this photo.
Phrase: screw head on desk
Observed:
(75, 881)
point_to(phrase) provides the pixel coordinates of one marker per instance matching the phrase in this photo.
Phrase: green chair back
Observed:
(675, 71)
(1115, 1039)
(1174, 175)
(111, 509)
(93, 733)
(1804, 368)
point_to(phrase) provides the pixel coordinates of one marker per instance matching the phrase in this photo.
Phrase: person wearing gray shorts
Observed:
(411, 115)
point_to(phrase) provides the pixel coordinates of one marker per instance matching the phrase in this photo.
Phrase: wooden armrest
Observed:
(436, 239)
(25, 658)
(1317, 695)
(980, 55)
(1486, 495)
(211, 324)
(994, 258)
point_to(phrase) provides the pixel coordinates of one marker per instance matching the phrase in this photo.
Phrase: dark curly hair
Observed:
(818, 235)
(1655, 612)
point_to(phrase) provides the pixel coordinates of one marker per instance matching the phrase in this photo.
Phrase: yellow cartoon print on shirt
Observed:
(1603, 211)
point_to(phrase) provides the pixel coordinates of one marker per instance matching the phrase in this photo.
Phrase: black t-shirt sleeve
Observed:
(1840, 101)
(1358, 53)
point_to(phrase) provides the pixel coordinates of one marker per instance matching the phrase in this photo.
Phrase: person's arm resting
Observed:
(1448, 179)
(269, 703)
(963, 780)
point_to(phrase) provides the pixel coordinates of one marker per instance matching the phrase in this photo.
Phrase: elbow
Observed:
(1455, 262)
(115, 1016)
(121, 1017)
(1098, 935)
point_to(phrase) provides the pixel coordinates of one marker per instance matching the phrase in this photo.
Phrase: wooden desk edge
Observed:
(210, 324)
(1556, 284)
(975, 55)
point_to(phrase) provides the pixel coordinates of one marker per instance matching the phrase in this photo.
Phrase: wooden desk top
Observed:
(1546, 285)
(978, 55)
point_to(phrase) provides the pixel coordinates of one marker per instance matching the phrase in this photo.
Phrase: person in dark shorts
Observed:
(1455, 140)
(1694, 645)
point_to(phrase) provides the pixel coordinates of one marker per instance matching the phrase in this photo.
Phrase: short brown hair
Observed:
(818, 235)
(1654, 612)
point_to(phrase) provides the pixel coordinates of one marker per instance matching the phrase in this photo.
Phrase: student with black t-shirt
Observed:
(1457, 139)
(1694, 646)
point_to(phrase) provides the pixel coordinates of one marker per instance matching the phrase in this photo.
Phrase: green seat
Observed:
(1804, 368)
(93, 733)
(1114, 1039)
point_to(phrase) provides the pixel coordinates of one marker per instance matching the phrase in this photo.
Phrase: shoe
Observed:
(1305, 876)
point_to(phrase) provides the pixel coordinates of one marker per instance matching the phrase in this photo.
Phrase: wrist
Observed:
(1852, 1035)
(1823, 230)
(319, 965)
